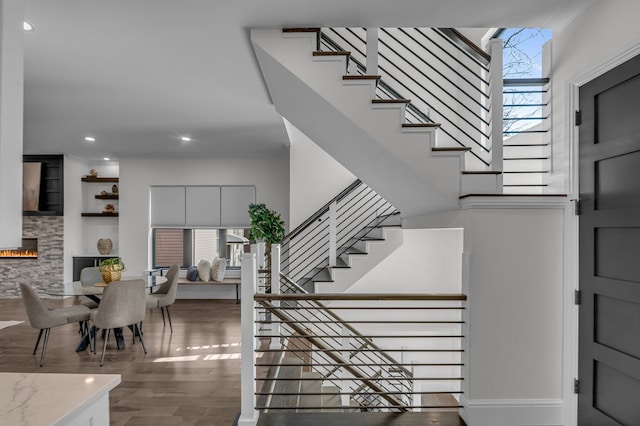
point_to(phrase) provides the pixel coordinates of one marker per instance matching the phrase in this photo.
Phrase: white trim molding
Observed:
(511, 412)
(490, 201)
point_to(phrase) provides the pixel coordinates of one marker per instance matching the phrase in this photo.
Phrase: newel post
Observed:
(495, 77)
(248, 284)
(275, 289)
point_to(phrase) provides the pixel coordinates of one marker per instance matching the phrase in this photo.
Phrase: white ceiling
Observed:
(137, 74)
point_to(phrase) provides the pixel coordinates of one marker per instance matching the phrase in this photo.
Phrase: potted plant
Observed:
(266, 224)
(111, 269)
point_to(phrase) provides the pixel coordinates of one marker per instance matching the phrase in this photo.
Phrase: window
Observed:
(186, 247)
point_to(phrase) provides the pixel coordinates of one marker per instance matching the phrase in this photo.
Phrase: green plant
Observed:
(266, 224)
(112, 264)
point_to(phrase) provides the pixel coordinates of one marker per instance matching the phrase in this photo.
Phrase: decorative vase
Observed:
(93, 173)
(105, 245)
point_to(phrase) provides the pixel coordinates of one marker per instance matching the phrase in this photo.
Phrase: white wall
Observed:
(316, 177)
(74, 169)
(513, 266)
(605, 31)
(429, 261)
(270, 175)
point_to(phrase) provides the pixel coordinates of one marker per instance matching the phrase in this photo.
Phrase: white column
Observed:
(495, 75)
(249, 281)
(11, 118)
(261, 254)
(275, 289)
(346, 352)
(333, 229)
(372, 51)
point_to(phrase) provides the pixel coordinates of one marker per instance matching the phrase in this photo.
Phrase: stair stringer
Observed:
(368, 141)
(360, 265)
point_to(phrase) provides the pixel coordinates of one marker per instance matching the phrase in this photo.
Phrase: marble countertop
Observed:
(48, 398)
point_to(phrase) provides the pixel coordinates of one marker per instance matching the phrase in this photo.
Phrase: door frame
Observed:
(572, 234)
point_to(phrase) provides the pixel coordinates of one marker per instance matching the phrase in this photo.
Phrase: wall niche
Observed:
(51, 192)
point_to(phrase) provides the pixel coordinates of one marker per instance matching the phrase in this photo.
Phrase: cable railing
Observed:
(323, 240)
(393, 375)
(445, 82)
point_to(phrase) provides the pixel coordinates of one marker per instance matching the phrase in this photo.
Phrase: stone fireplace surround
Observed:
(48, 269)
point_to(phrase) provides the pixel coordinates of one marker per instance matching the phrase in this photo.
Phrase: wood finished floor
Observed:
(190, 377)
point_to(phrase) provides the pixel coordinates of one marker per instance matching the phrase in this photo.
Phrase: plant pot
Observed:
(109, 275)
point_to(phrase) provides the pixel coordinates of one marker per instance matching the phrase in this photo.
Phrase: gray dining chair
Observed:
(165, 295)
(44, 318)
(88, 278)
(122, 304)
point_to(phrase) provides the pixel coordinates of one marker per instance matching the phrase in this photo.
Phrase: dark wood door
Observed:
(609, 350)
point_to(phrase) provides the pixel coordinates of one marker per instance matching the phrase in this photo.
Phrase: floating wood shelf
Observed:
(99, 214)
(107, 197)
(100, 179)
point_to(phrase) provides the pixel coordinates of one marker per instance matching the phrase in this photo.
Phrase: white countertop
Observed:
(47, 398)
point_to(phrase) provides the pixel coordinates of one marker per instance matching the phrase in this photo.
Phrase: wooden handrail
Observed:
(362, 296)
(467, 45)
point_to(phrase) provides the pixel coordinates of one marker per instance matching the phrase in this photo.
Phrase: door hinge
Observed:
(576, 206)
(578, 118)
(577, 297)
(576, 386)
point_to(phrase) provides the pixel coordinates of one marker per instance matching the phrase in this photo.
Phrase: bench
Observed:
(227, 281)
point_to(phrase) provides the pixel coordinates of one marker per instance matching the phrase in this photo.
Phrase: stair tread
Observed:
(450, 149)
(482, 172)
(341, 263)
(301, 30)
(390, 101)
(361, 77)
(319, 275)
(331, 53)
(310, 387)
(420, 125)
(352, 250)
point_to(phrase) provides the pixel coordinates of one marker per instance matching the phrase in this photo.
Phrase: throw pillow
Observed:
(218, 269)
(192, 273)
(204, 269)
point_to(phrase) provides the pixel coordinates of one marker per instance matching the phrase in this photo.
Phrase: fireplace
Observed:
(28, 250)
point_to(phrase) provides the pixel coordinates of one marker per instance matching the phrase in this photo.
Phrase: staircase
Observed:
(369, 136)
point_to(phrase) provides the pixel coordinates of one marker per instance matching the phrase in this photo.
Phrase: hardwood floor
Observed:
(190, 377)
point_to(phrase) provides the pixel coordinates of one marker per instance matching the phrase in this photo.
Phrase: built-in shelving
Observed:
(100, 179)
(104, 195)
(103, 214)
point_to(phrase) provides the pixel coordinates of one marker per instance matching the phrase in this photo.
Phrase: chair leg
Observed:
(104, 347)
(163, 322)
(137, 327)
(44, 346)
(38, 341)
(169, 316)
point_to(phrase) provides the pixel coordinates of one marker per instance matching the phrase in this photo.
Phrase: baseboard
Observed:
(512, 412)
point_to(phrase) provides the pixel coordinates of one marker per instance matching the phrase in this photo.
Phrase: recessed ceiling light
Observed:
(89, 139)
(27, 26)
(107, 158)
(185, 138)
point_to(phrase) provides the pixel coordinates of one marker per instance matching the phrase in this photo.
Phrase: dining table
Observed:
(75, 289)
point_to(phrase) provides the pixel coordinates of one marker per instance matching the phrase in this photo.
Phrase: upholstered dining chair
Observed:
(88, 278)
(122, 304)
(165, 295)
(43, 318)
